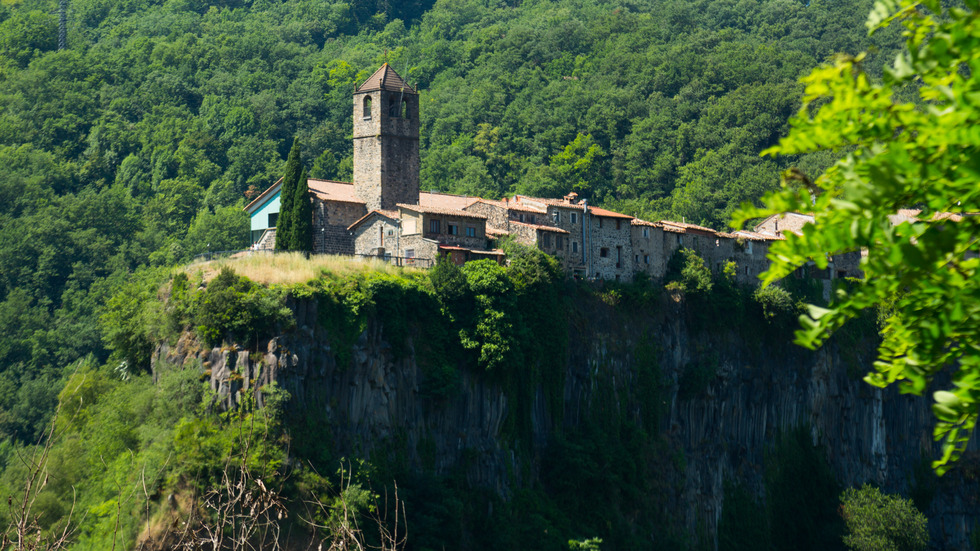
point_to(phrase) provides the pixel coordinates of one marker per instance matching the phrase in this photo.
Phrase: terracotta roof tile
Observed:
(753, 236)
(685, 226)
(539, 227)
(445, 200)
(329, 190)
(392, 214)
(638, 222)
(439, 210)
(385, 78)
(497, 232)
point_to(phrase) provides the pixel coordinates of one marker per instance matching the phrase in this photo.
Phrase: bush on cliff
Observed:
(882, 522)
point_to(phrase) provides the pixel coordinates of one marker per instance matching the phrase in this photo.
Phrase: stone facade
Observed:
(330, 222)
(379, 235)
(386, 143)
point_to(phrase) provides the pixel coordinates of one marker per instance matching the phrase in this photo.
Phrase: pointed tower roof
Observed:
(385, 78)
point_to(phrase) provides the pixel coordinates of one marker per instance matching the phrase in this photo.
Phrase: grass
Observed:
(291, 268)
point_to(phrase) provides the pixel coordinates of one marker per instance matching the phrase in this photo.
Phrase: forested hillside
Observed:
(139, 143)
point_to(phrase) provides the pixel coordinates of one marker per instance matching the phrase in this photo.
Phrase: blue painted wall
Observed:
(260, 217)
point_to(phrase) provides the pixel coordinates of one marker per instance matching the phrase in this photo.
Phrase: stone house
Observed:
(383, 213)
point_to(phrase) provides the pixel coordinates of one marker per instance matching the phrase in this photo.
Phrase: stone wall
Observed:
(386, 150)
(610, 251)
(461, 223)
(419, 246)
(380, 232)
(330, 222)
(648, 250)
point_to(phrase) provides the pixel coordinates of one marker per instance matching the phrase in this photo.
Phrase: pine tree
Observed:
(302, 217)
(287, 193)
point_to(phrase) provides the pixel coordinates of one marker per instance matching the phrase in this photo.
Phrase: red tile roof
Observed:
(539, 227)
(439, 210)
(638, 222)
(392, 214)
(385, 78)
(445, 200)
(753, 236)
(329, 190)
(685, 226)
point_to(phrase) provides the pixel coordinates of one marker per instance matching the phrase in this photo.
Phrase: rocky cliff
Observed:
(719, 402)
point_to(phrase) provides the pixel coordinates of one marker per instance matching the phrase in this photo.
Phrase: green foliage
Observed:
(688, 271)
(908, 146)
(302, 217)
(744, 524)
(801, 495)
(778, 305)
(591, 544)
(235, 308)
(289, 200)
(882, 522)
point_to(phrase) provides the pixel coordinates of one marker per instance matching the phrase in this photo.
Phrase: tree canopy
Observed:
(913, 143)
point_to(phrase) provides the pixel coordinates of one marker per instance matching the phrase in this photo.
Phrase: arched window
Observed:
(367, 107)
(406, 114)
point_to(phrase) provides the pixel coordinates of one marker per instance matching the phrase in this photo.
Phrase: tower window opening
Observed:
(367, 107)
(406, 114)
(393, 108)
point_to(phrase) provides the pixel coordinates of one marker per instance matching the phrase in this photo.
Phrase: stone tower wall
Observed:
(386, 149)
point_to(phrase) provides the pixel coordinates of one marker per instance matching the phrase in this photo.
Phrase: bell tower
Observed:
(386, 141)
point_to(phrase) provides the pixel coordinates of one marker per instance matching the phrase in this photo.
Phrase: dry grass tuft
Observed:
(291, 268)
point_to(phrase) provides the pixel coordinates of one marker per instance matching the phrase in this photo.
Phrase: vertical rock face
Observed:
(723, 428)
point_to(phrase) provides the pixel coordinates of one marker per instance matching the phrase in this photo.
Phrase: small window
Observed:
(558, 241)
(646, 232)
(367, 107)
(391, 232)
(646, 259)
(452, 229)
(406, 114)
(574, 218)
(273, 218)
(434, 226)
(617, 224)
(470, 231)
(603, 252)
(574, 245)
(409, 253)
(750, 247)
(520, 217)
(546, 240)
(600, 223)
(679, 242)
(636, 258)
(557, 217)
(533, 219)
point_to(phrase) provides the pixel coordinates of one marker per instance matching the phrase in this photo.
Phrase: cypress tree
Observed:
(287, 193)
(302, 218)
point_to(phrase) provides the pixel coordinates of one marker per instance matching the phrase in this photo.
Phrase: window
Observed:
(574, 245)
(470, 231)
(273, 218)
(617, 223)
(557, 217)
(393, 110)
(646, 259)
(533, 220)
(603, 252)
(574, 218)
(646, 232)
(600, 223)
(405, 112)
(679, 242)
(452, 229)
(434, 226)
(520, 217)
(409, 253)
(750, 247)
(391, 232)
(547, 240)
(636, 259)
(367, 107)
(558, 241)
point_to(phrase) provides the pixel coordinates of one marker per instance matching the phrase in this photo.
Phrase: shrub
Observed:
(777, 304)
(881, 522)
(689, 272)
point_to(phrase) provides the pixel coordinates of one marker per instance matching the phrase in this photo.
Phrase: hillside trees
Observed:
(924, 275)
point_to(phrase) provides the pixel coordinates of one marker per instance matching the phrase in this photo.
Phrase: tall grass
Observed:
(292, 268)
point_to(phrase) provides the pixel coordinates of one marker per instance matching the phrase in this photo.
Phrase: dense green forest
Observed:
(136, 146)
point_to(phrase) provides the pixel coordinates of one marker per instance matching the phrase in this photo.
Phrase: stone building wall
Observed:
(418, 247)
(330, 222)
(648, 250)
(572, 255)
(378, 233)
(479, 241)
(610, 252)
(496, 214)
(386, 150)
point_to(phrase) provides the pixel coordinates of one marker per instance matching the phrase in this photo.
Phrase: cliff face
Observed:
(722, 425)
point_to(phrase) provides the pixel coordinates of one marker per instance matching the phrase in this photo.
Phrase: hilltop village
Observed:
(383, 213)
